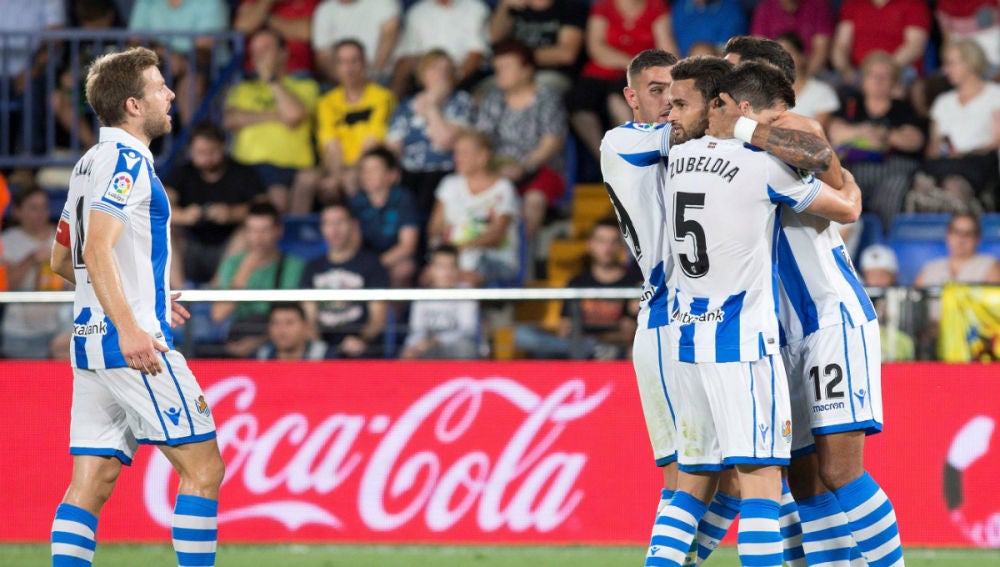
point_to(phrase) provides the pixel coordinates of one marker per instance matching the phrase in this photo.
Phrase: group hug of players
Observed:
(757, 354)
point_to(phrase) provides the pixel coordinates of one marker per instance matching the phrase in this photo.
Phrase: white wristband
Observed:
(743, 130)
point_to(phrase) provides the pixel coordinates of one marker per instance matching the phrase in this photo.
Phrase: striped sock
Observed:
(857, 559)
(665, 495)
(791, 529)
(73, 537)
(826, 537)
(714, 525)
(194, 530)
(759, 540)
(872, 521)
(674, 531)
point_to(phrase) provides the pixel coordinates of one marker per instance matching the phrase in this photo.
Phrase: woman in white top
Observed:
(477, 212)
(963, 264)
(965, 122)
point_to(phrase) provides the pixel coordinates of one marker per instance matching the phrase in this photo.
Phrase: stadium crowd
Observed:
(444, 143)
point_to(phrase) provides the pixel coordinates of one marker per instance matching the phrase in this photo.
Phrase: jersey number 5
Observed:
(683, 227)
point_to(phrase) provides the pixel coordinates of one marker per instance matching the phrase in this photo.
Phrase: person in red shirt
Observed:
(290, 18)
(900, 27)
(812, 20)
(617, 30)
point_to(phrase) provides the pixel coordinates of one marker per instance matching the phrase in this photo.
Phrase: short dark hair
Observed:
(26, 192)
(209, 130)
(339, 204)
(446, 249)
(648, 59)
(287, 306)
(350, 42)
(282, 44)
(760, 84)
(793, 38)
(706, 71)
(116, 77)
(265, 209)
(517, 49)
(389, 159)
(606, 222)
(752, 48)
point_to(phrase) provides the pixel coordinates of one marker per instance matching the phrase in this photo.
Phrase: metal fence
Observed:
(29, 128)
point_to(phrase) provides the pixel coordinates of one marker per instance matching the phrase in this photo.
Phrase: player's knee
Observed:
(836, 473)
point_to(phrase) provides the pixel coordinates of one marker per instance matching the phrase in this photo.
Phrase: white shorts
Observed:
(114, 409)
(835, 383)
(732, 413)
(651, 359)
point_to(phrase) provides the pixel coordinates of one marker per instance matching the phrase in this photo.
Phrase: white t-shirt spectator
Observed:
(466, 216)
(458, 28)
(449, 322)
(969, 126)
(362, 20)
(816, 98)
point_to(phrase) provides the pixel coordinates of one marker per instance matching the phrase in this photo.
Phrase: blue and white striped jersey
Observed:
(818, 282)
(116, 177)
(722, 202)
(633, 169)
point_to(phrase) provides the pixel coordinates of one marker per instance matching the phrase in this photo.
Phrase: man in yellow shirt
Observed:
(271, 116)
(351, 118)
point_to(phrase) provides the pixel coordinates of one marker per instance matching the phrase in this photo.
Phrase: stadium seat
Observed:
(913, 254)
(871, 231)
(57, 200)
(302, 237)
(590, 204)
(990, 223)
(920, 226)
(991, 247)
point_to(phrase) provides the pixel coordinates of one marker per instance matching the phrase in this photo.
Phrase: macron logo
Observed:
(130, 160)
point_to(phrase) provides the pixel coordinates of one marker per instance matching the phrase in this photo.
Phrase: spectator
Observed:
(812, 19)
(24, 65)
(527, 124)
(351, 328)
(210, 195)
(608, 325)
(711, 21)
(70, 108)
(271, 117)
(456, 26)
(965, 123)
(261, 266)
(424, 127)
(963, 264)
(553, 30)
(390, 227)
(813, 98)
(879, 269)
(291, 20)
(350, 119)
(978, 20)
(208, 16)
(441, 328)
(899, 27)
(616, 31)
(289, 332)
(373, 23)
(477, 212)
(33, 330)
(879, 138)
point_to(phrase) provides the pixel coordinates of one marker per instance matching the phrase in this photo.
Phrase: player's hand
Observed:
(723, 113)
(353, 346)
(141, 351)
(178, 314)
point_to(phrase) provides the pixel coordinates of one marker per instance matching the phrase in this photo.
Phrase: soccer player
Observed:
(722, 203)
(129, 385)
(832, 354)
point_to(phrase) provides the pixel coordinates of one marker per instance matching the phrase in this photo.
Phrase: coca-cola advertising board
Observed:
(485, 452)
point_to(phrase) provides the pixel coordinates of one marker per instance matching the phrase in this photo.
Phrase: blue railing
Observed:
(28, 124)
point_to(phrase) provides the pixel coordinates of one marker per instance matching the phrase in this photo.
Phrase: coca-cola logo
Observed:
(428, 464)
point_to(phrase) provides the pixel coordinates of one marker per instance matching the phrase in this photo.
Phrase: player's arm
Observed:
(137, 347)
(843, 206)
(61, 259)
(833, 176)
(803, 149)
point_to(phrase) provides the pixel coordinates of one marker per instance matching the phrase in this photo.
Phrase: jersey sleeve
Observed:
(789, 185)
(126, 187)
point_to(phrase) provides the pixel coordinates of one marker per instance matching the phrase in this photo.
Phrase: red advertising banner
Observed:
(522, 452)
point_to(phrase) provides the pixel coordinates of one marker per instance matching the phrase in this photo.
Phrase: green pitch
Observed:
(419, 556)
